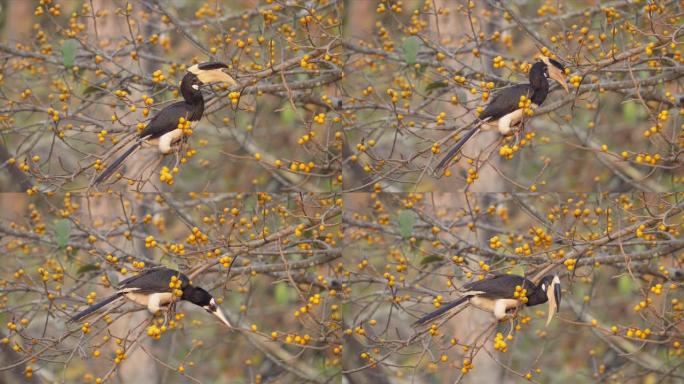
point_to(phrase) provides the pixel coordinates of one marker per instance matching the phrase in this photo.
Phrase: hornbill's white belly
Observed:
(506, 123)
(496, 306)
(167, 141)
(153, 301)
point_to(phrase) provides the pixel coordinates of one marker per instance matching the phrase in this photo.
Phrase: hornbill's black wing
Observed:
(502, 103)
(94, 307)
(505, 101)
(441, 311)
(499, 286)
(153, 281)
(167, 119)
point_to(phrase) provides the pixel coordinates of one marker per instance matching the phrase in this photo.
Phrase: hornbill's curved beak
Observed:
(558, 75)
(212, 72)
(553, 293)
(216, 311)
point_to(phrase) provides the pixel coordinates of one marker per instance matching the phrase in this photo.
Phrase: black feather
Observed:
(167, 119)
(557, 64)
(154, 280)
(442, 310)
(500, 286)
(94, 308)
(116, 164)
(454, 151)
(209, 65)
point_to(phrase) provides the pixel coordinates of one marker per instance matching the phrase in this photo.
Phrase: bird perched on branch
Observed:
(158, 288)
(507, 108)
(502, 293)
(166, 128)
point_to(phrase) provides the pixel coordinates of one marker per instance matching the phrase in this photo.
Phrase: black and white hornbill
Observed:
(504, 111)
(163, 130)
(158, 288)
(502, 293)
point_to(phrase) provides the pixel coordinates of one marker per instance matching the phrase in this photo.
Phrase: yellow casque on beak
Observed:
(212, 75)
(559, 76)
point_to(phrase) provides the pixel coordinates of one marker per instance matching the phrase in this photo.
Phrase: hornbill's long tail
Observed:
(441, 311)
(94, 307)
(454, 151)
(116, 164)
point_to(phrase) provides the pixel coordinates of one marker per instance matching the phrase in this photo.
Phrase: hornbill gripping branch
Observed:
(163, 130)
(501, 293)
(158, 288)
(504, 112)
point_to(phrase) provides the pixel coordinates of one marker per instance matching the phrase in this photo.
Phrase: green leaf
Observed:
(282, 293)
(113, 278)
(168, 263)
(87, 268)
(62, 229)
(436, 85)
(625, 285)
(69, 52)
(410, 48)
(518, 270)
(287, 114)
(431, 259)
(406, 220)
(629, 112)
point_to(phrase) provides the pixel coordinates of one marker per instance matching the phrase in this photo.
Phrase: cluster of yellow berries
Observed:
(526, 103)
(150, 242)
(155, 332)
(177, 248)
(653, 129)
(576, 81)
(197, 237)
(234, 97)
(391, 280)
(498, 62)
(307, 137)
(638, 333)
(120, 356)
(320, 118)
(25, 94)
(176, 284)
(226, 261)
(437, 301)
(657, 289)
(302, 167)
(467, 366)
(500, 343)
(570, 264)
(185, 126)
(55, 114)
(304, 63)
(520, 294)
(91, 298)
(643, 304)
(440, 118)
(120, 93)
(507, 151)
(166, 176)
(495, 242)
(472, 176)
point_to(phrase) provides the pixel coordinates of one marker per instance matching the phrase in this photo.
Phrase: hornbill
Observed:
(158, 288)
(505, 110)
(163, 130)
(501, 293)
